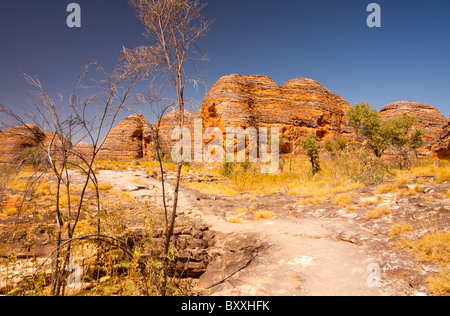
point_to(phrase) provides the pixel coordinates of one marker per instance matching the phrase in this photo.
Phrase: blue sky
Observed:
(408, 58)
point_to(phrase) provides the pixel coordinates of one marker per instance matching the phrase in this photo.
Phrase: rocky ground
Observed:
(321, 249)
(324, 249)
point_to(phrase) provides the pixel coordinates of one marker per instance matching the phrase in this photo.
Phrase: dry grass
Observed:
(327, 189)
(431, 248)
(439, 170)
(123, 196)
(401, 179)
(443, 175)
(342, 200)
(242, 210)
(400, 228)
(10, 211)
(405, 192)
(12, 206)
(368, 202)
(440, 284)
(263, 215)
(385, 188)
(101, 186)
(447, 194)
(292, 179)
(44, 188)
(312, 200)
(112, 165)
(235, 220)
(253, 199)
(320, 194)
(18, 184)
(138, 181)
(64, 200)
(377, 213)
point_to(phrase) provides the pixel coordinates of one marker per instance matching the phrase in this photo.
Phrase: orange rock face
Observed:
(170, 122)
(299, 107)
(442, 144)
(431, 121)
(16, 139)
(126, 141)
(83, 149)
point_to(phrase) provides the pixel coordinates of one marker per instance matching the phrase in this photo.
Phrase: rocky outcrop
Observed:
(83, 149)
(442, 144)
(231, 254)
(126, 141)
(171, 121)
(16, 139)
(431, 121)
(300, 107)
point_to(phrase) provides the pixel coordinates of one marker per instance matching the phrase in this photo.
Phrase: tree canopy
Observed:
(398, 131)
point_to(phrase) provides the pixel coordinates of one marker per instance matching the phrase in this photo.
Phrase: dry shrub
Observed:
(242, 210)
(101, 186)
(431, 248)
(312, 200)
(262, 215)
(377, 213)
(10, 211)
(440, 284)
(342, 200)
(400, 228)
(235, 220)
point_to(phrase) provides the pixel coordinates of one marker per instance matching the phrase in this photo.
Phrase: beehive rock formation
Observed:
(171, 121)
(431, 121)
(16, 139)
(442, 144)
(83, 149)
(126, 141)
(300, 107)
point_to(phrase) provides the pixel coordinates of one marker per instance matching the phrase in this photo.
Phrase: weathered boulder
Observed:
(299, 107)
(431, 121)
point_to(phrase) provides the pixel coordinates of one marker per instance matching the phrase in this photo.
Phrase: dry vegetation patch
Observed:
(377, 213)
(263, 215)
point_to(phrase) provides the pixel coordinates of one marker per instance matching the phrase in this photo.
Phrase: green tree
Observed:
(416, 140)
(312, 151)
(336, 146)
(329, 145)
(367, 122)
(402, 138)
(397, 131)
